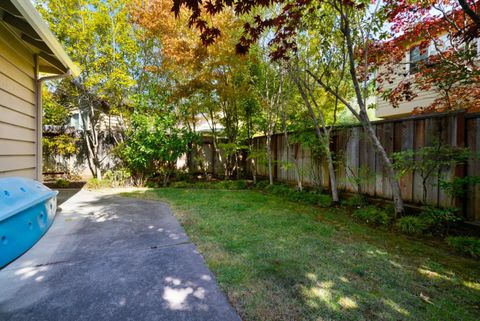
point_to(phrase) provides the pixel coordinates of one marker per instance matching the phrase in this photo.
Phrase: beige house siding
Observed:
(386, 110)
(18, 112)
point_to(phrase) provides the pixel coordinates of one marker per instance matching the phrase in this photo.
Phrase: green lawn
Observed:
(278, 260)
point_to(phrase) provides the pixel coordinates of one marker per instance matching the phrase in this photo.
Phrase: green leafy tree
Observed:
(98, 36)
(428, 161)
(155, 143)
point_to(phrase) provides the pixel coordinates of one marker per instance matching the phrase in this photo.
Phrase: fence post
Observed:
(460, 169)
(275, 157)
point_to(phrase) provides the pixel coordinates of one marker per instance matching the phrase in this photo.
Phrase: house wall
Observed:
(18, 112)
(386, 110)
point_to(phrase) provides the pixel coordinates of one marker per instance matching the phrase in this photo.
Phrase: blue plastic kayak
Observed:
(27, 210)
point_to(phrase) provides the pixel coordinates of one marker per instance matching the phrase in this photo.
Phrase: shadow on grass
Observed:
(278, 260)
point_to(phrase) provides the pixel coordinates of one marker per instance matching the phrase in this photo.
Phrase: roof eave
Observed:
(31, 15)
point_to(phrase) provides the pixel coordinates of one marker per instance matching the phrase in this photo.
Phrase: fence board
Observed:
(353, 149)
(473, 169)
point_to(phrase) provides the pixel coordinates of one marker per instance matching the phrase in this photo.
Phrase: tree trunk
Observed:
(387, 163)
(324, 139)
(363, 116)
(332, 175)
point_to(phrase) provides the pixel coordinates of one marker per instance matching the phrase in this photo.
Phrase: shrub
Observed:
(95, 183)
(441, 219)
(118, 177)
(180, 184)
(62, 183)
(413, 224)
(356, 201)
(261, 184)
(307, 197)
(465, 244)
(154, 144)
(231, 185)
(374, 215)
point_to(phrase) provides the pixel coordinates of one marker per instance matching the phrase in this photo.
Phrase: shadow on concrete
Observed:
(112, 258)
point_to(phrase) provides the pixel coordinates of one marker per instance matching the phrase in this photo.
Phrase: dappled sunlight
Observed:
(472, 285)
(315, 276)
(347, 303)
(100, 217)
(395, 264)
(376, 253)
(177, 293)
(343, 279)
(394, 306)
(177, 298)
(432, 274)
(324, 293)
(29, 272)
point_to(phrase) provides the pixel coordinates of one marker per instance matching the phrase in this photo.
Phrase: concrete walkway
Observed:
(112, 258)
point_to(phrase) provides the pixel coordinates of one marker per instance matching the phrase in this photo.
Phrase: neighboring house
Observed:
(29, 55)
(106, 122)
(406, 69)
(204, 126)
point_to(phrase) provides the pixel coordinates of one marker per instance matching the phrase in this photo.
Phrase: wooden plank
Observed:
(342, 138)
(379, 172)
(275, 152)
(352, 159)
(448, 137)
(18, 119)
(473, 169)
(9, 101)
(310, 175)
(14, 50)
(385, 135)
(406, 143)
(12, 147)
(12, 132)
(387, 140)
(433, 130)
(419, 142)
(8, 68)
(8, 85)
(21, 25)
(369, 163)
(459, 139)
(29, 172)
(363, 159)
(13, 163)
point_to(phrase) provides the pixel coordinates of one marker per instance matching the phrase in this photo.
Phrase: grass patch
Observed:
(280, 260)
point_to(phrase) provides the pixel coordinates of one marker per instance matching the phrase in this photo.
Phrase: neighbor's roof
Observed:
(30, 28)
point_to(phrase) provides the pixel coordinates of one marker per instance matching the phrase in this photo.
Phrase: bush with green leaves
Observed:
(459, 186)
(357, 200)
(154, 144)
(465, 244)
(375, 215)
(62, 183)
(413, 224)
(441, 219)
(118, 177)
(95, 183)
(226, 184)
(429, 160)
(303, 196)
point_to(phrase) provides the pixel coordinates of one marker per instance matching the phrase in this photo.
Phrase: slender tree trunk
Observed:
(323, 138)
(362, 116)
(388, 166)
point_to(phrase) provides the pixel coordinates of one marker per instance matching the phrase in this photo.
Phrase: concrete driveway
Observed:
(112, 258)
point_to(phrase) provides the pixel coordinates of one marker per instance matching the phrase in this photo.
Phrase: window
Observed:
(417, 57)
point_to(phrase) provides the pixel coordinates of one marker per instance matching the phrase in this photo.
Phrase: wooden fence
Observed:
(359, 168)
